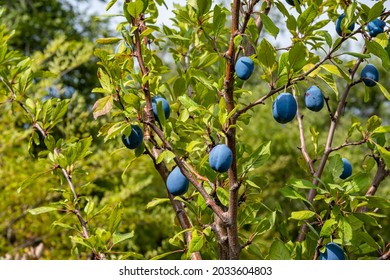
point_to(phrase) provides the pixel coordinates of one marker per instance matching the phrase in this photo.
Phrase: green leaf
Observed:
(166, 156)
(117, 237)
(335, 70)
(219, 20)
(223, 196)
(159, 257)
(384, 90)
(297, 57)
(110, 4)
(108, 41)
(279, 251)
(203, 6)
(289, 192)
(385, 154)
(88, 209)
(196, 243)
(102, 106)
(136, 8)
(115, 218)
(376, 49)
(302, 215)
(335, 166)
(156, 201)
(345, 230)
(40, 210)
(301, 184)
(359, 55)
(266, 54)
(269, 25)
(327, 228)
(306, 19)
(375, 11)
(382, 129)
(373, 123)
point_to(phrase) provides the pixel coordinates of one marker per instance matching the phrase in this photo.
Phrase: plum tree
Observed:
(376, 27)
(370, 75)
(314, 99)
(220, 158)
(347, 169)
(244, 67)
(284, 108)
(134, 139)
(165, 106)
(339, 23)
(333, 252)
(177, 183)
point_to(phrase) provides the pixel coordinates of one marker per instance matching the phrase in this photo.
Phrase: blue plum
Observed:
(314, 99)
(370, 75)
(333, 252)
(244, 67)
(177, 183)
(376, 27)
(134, 140)
(339, 24)
(165, 106)
(284, 108)
(347, 169)
(220, 158)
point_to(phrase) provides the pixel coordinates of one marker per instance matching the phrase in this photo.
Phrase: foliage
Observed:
(275, 201)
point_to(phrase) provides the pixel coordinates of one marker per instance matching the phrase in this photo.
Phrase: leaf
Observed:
(88, 209)
(223, 196)
(385, 154)
(327, 228)
(117, 237)
(279, 251)
(266, 54)
(376, 49)
(136, 8)
(102, 106)
(110, 4)
(373, 123)
(108, 41)
(269, 25)
(384, 91)
(307, 17)
(166, 156)
(219, 20)
(203, 6)
(289, 192)
(301, 184)
(297, 56)
(40, 210)
(104, 80)
(345, 230)
(358, 55)
(259, 156)
(196, 243)
(156, 201)
(335, 70)
(115, 218)
(375, 11)
(381, 130)
(335, 166)
(158, 257)
(302, 215)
